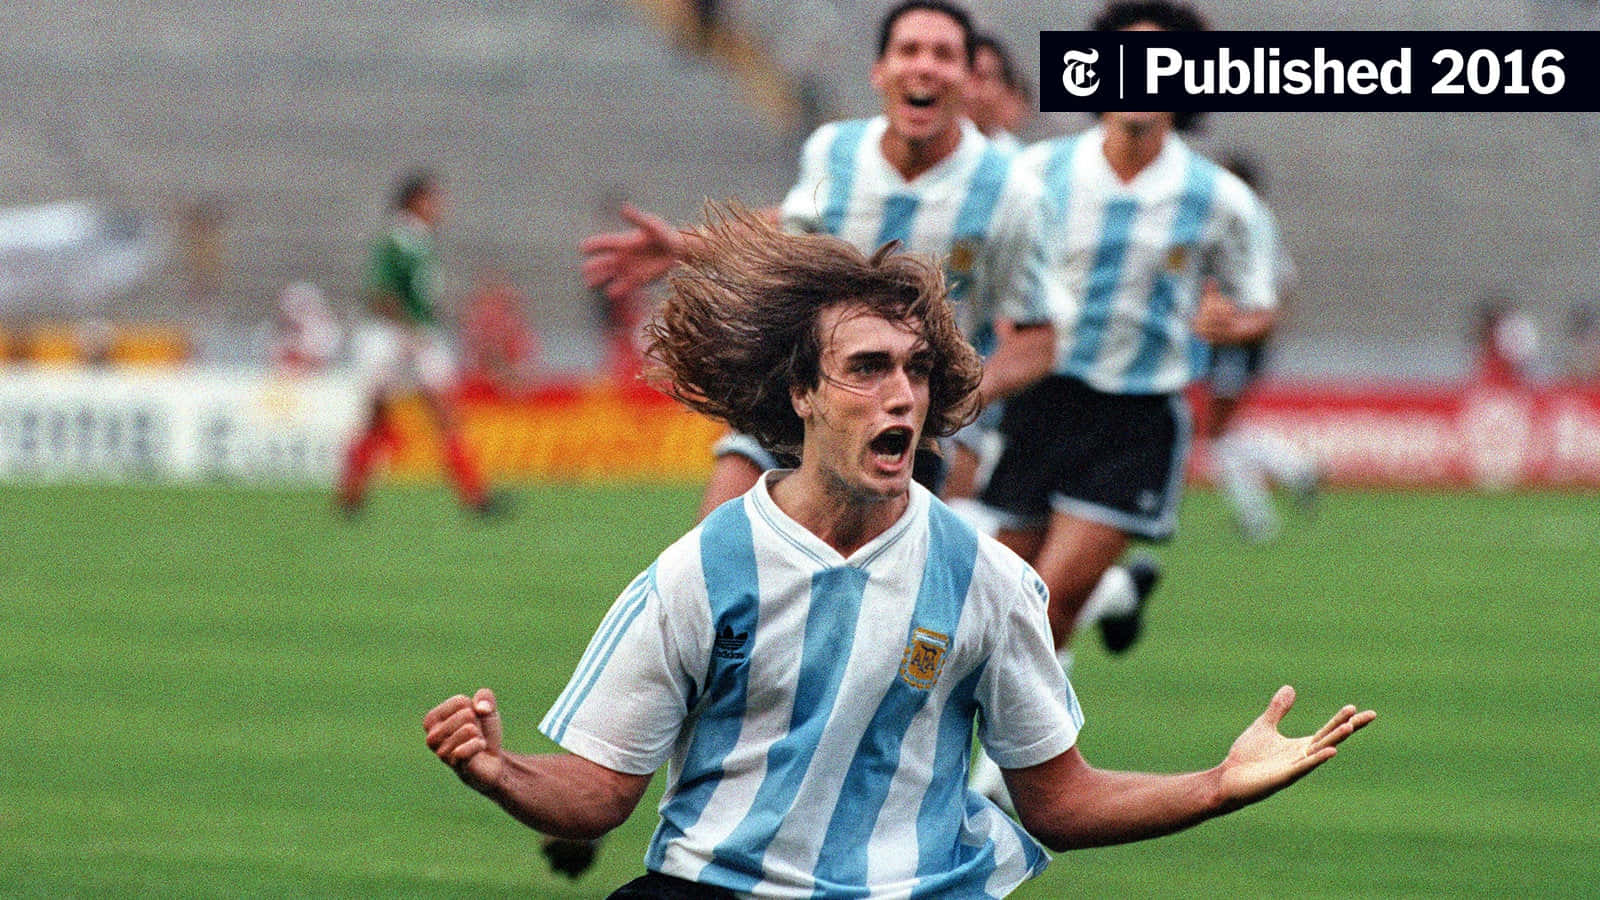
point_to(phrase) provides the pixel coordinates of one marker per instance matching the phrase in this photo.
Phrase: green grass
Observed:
(215, 692)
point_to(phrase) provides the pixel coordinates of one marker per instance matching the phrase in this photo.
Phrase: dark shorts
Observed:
(656, 886)
(1234, 367)
(1109, 458)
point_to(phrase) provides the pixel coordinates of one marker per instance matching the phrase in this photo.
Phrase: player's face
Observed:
(1015, 110)
(986, 91)
(429, 205)
(922, 75)
(865, 416)
(1140, 122)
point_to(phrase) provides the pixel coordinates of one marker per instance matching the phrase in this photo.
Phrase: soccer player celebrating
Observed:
(401, 351)
(811, 660)
(919, 173)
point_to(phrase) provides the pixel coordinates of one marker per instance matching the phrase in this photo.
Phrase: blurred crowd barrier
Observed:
(186, 424)
(584, 431)
(171, 424)
(65, 424)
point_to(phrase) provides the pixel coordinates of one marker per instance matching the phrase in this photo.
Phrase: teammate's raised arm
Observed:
(622, 262)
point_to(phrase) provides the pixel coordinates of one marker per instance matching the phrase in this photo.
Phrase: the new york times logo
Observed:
(1079, 77)
(1301, 71)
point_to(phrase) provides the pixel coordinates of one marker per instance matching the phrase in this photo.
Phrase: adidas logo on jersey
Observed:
(729, 645)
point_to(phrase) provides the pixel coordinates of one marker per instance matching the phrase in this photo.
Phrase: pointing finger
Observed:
(641, 218)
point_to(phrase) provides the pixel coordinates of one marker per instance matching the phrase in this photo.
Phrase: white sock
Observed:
(1112, 596)
(1065, 658)
(1244, 483)
(1284, 463)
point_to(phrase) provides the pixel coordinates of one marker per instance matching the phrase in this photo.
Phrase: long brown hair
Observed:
(739, 327)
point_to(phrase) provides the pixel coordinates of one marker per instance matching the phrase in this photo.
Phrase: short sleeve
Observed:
(631, 692)
(1030, 713)
(801, 212)
(1284, 273)
(1017, 286)
(1246, 261)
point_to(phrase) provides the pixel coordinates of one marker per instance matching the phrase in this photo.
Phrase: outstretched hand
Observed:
(1263, 761)
(623, 262)
(465, 734)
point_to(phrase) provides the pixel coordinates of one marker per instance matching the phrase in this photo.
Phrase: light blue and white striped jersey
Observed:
(1238, 369)
(1006, 141)
(1130, 259)
(973, 210)
(1284, 273)
(816, 712)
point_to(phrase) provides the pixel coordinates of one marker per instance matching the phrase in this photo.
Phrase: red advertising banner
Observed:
(1476, 436)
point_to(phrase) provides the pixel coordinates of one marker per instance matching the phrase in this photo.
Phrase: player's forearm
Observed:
(1023, 356)
(1105, 807)
(564, 795)
(1252, 326)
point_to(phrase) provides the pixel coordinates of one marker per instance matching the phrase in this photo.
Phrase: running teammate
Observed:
(1135, 222)
(811, 661)
(1250, 461)
(997, 97)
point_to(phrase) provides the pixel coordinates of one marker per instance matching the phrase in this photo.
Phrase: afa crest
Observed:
(1177, 258)
(962, 256)
(924, 658)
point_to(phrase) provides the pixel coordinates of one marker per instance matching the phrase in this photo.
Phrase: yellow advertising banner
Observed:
(587, 433)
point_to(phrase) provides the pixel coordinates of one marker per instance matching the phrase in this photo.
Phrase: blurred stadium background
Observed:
(281, 132)
(215, 691)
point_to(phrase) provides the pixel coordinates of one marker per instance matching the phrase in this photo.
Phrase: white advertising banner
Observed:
(173, 426)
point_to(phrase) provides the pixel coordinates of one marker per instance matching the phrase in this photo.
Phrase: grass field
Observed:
(218, 692)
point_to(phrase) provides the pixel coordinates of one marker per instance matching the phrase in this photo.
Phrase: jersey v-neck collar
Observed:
(1154, 179)
(817, 551)
(968, 147)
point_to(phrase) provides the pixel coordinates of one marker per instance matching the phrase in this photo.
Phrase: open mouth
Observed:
(892, 443)
(921, 101)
